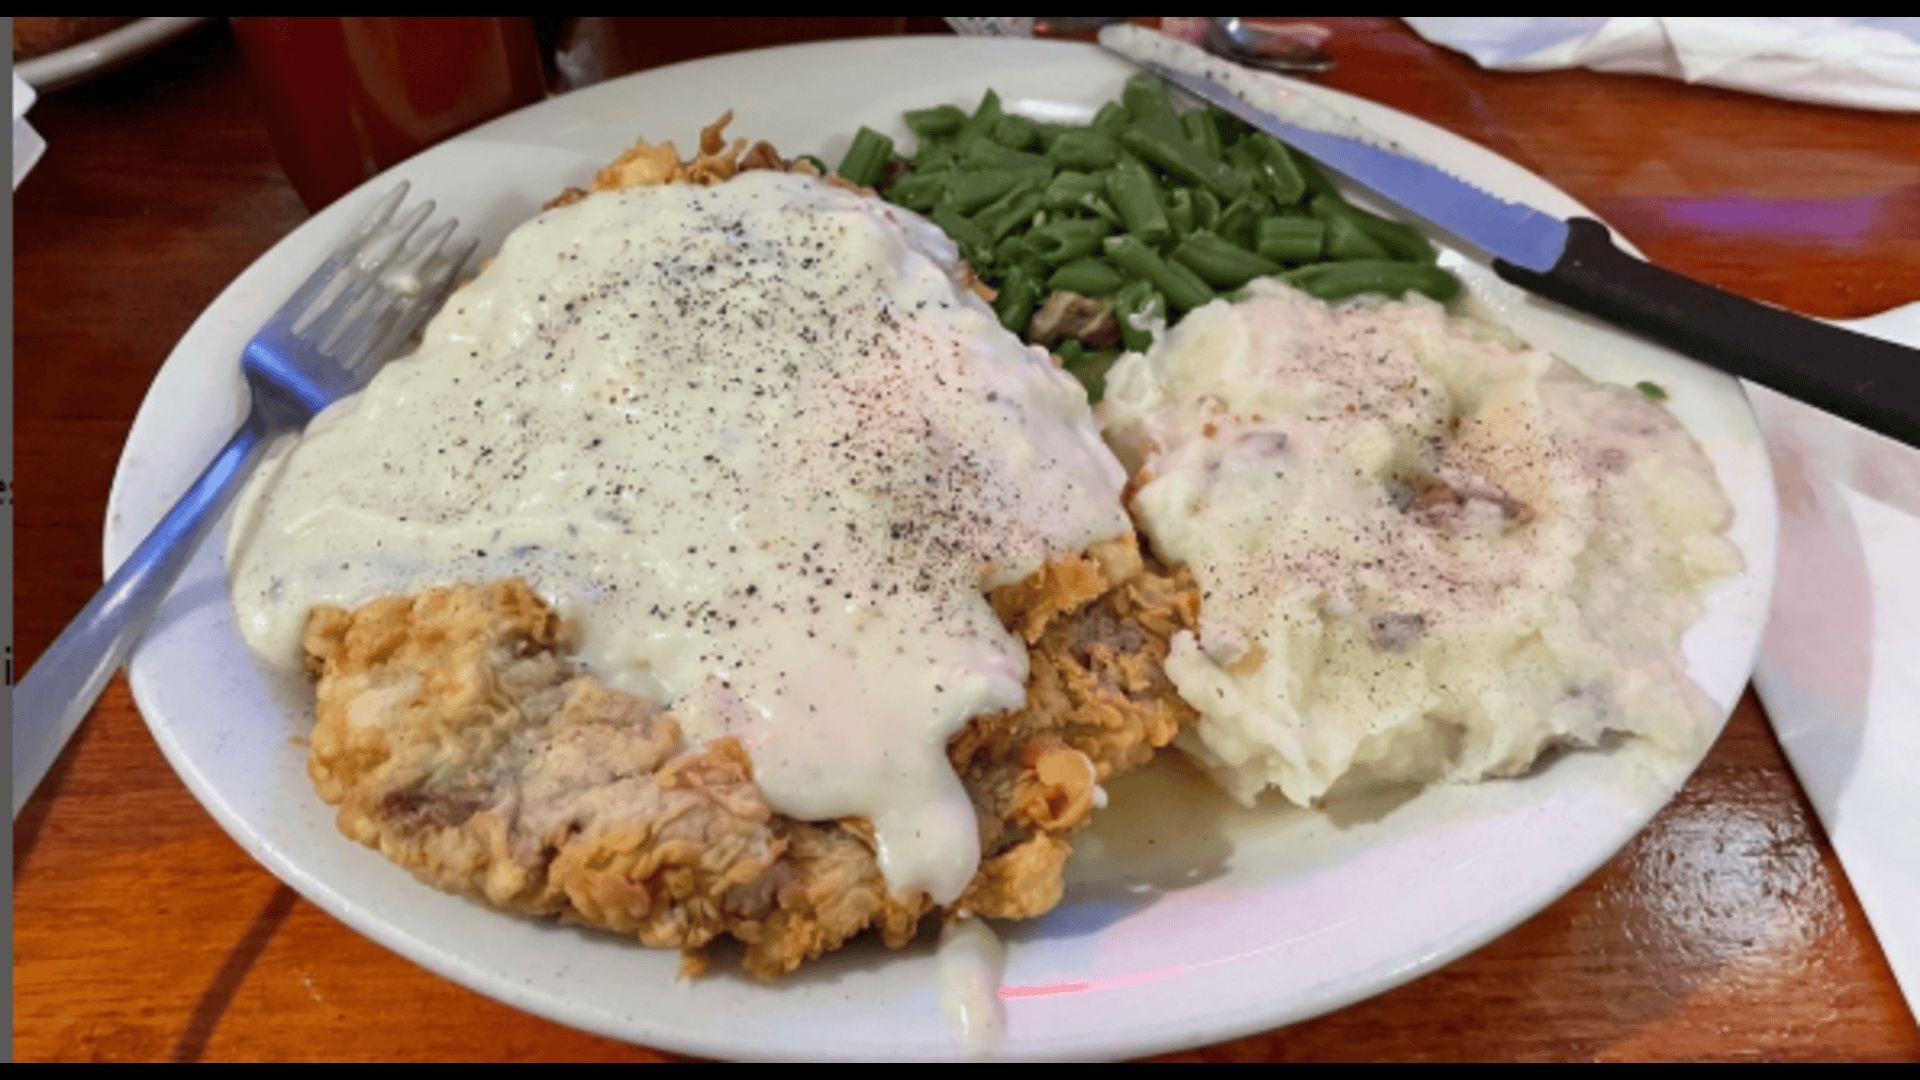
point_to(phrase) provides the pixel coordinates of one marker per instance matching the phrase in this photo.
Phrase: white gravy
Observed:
(765, 451)
(971, 960)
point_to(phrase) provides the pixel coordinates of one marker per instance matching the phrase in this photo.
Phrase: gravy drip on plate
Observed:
(971, 960)
(757, 442)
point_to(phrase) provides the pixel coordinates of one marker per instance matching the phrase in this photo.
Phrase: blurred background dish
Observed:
(51, 53)
(346, 98)
(35, 36)
(590, 49)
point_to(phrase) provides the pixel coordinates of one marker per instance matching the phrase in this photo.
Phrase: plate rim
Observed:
(1151, 1039)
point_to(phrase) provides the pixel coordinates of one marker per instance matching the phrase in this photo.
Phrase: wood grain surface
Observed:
(1725, 931)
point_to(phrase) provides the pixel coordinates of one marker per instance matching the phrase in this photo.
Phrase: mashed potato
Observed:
(1424, 552)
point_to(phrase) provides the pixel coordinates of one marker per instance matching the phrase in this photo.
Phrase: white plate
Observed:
(76, 63)
(1231, 923)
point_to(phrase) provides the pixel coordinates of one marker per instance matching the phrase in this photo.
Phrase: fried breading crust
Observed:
(648, 164)
(458, 737)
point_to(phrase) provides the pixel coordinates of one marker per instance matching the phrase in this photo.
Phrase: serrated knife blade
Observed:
(1505, 230)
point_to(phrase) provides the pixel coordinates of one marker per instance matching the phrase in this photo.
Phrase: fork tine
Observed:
(415, 261)
(433, 282)
(378, 216)
(344, 290)
(398, 283)
(339, 302)
(436, 282)
(306, 298)
(403, 230)
(353, 321)
(300, 307)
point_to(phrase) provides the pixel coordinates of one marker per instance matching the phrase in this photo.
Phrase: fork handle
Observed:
(57, 693)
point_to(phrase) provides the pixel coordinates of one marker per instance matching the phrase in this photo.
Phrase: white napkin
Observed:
(1839, 670)
(27, 143)
(1864, 63)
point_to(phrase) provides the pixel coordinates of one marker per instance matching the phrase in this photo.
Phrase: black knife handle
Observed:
(1873, 383)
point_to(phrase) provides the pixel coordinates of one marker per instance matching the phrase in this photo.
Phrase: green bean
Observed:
(1252, 175)
(1050, 133)
(1346, 240)
(1396, 240)
(1091, 369)
(1236, 223)
(918, 190)
(1135, 307)
(1014, 208)
(933, 155)
(1282, 176)
(1157, 209)
(974, 189)
(970, 238)
(1232, 128)
(1180, 211)
(1016, 132)
(818, 165)
(1185, 161)
(1248, 158)
(1340, 280)
(1310, 174)
(1087, 277)
(1099, 205)
(1084, 149)
(1012, 251)
(1136, 198)
(1291, 239)
(866, 158)
(981, 123)
(1145, 97)
(1221, 264)
(1182, 287)
(1206, 208)
(1063, 240)
(1198, 125)
(1066, 189)
(1076, 192)
(1018, 296)
(941, 120)
(1401, 240)
(987, 154)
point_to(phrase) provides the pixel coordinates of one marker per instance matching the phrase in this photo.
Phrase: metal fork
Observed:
(324, 343)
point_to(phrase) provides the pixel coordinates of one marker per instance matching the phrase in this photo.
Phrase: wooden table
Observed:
(1726, 930)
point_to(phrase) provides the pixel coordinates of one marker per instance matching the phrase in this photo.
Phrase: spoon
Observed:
(1290, 47)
